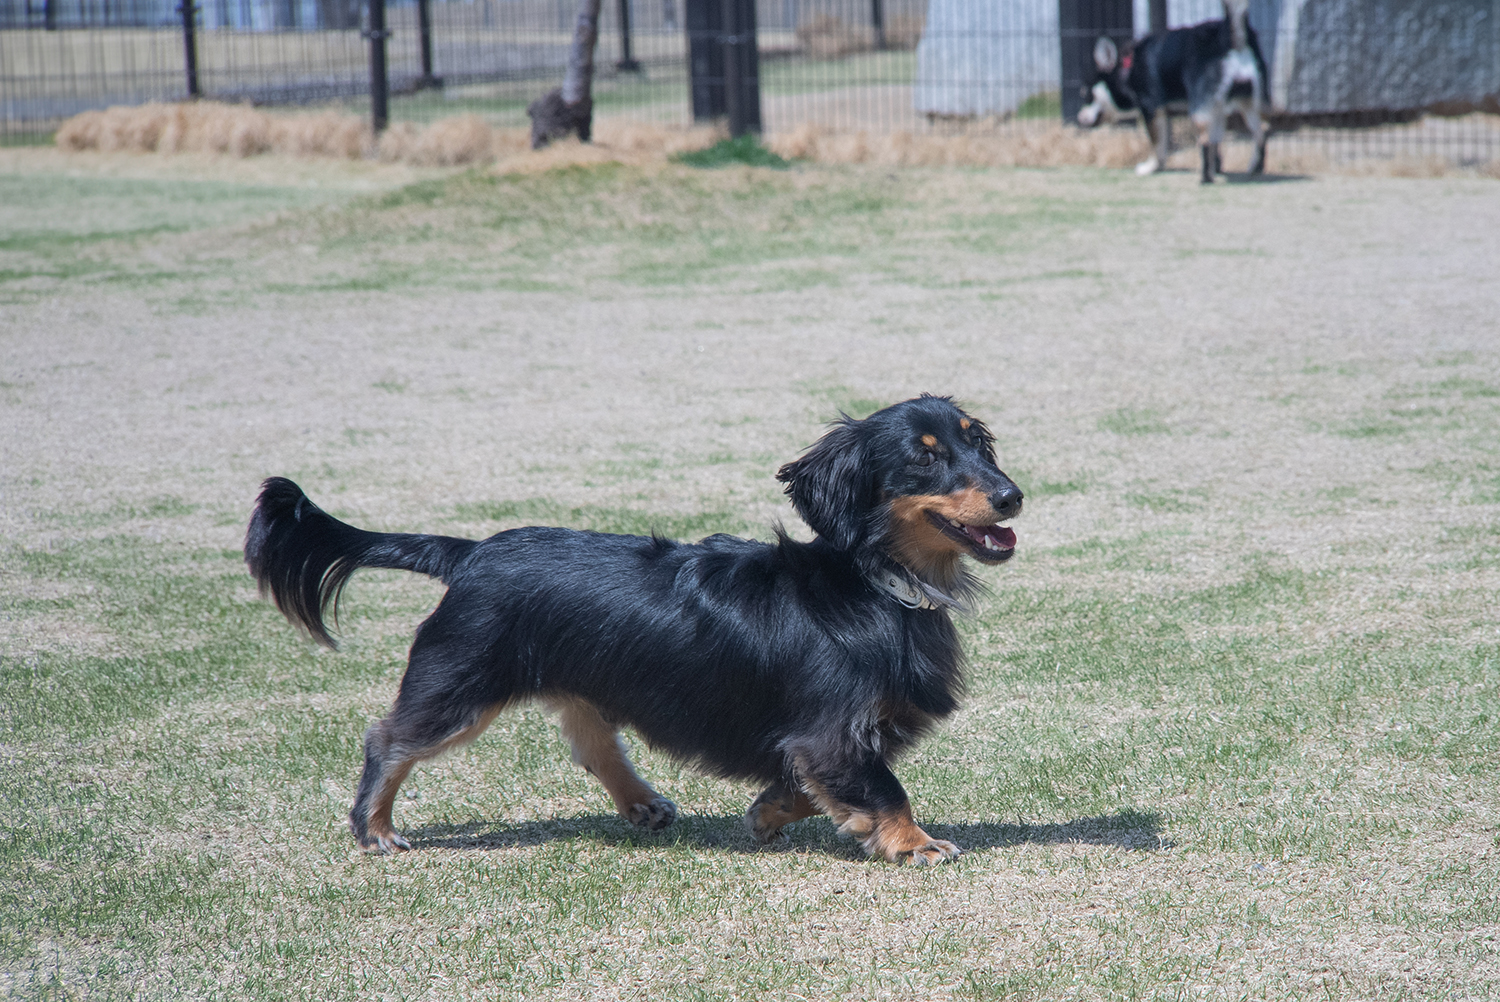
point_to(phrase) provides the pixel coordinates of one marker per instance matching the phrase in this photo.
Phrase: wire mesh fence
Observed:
(1348, 78)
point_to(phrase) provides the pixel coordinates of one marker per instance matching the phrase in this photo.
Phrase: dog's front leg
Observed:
(1210, 131)
(778, 805)
(866, 800)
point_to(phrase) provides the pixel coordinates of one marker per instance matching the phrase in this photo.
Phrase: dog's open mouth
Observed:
(989, 543)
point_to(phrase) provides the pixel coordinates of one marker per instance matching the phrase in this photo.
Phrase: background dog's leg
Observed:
(392, 747)
(1251, 111)
(1208, 145)
(777, 806)
(598, 748)
(1158, 130)
(866, 800)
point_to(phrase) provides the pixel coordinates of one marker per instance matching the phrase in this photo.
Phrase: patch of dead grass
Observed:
(242, 131)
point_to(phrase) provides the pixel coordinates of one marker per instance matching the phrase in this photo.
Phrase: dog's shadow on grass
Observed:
(1264, 178)
(727, 833)
(1241, 177)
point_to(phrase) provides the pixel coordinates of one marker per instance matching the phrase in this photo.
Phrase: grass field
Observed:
(1233, 723)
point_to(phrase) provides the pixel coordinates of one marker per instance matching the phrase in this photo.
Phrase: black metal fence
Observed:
(1353, 77)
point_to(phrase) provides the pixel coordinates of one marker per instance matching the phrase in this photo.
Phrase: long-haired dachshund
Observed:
(805, 666)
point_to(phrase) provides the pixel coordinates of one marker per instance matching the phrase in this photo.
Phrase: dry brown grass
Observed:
(243, 131)
(211, 127)
(1293, 159)
(1042, 146)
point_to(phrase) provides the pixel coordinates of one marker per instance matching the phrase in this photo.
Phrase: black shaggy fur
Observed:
(779, 662)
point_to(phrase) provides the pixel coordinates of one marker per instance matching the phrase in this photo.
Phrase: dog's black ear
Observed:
(1106, 54)
(833, 486)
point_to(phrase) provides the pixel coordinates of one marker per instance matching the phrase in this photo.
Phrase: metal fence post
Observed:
(733, 105)
(190, 45)
(1156, 13)
(380, 89)
(424, 31)
(627, 64)
(877, 21)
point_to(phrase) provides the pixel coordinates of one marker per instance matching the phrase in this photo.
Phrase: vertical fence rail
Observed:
(190, 45)
(627, 63)
(424, 39)
(380, 91)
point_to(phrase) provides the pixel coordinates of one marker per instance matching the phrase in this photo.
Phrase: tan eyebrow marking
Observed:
(929, 440)
(964, 423)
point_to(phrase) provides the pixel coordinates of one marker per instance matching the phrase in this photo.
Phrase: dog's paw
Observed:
(762, 828)
(655, 814)
(1148, 167)
(384, 843)
(935, 851)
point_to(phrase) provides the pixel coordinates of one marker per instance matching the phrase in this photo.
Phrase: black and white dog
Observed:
(1208, 71)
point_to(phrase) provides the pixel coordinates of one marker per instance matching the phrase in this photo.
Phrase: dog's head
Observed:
(916, 482)
(1108, 94)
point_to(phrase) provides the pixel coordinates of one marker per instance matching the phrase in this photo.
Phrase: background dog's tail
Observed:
(1237, 13)
(303, 556)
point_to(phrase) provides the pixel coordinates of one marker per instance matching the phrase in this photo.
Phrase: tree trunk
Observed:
(570, 108)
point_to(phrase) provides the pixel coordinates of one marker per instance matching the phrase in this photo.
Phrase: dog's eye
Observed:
(926, 458)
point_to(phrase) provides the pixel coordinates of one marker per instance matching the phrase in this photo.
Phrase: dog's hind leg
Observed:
(866, 800)
(392, 746)
(1159, 130)
(598, 748)
(778, 806)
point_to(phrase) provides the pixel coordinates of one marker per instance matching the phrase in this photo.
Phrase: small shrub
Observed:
(747, 150)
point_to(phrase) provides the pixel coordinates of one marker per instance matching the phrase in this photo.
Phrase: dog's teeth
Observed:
(956, 523)
(989, 544)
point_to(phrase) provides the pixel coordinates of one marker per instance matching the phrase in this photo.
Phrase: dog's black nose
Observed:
(1007, 501)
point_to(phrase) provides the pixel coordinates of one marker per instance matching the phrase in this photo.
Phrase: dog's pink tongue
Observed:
(1004, 538)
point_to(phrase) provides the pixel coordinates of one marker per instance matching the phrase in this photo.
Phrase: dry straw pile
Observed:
(982, 145)
(209, 127)
(244, 131)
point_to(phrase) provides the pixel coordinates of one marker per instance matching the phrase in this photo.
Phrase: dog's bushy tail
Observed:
(303, 556)
(1237, 13)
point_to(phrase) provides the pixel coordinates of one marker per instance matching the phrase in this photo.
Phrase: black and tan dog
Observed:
(806, 666)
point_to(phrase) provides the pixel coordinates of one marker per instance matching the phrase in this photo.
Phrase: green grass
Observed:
(745, 150)
(568, 229)
(860, 69)
(92, 230)
(1232, 722)
(23, 139)
(579, 227)
(215, 824)
(1046, 106)
(629, 521)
